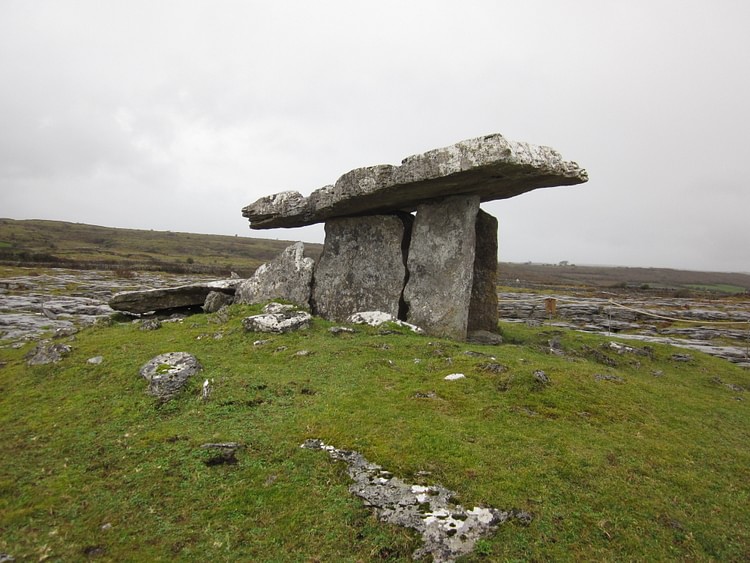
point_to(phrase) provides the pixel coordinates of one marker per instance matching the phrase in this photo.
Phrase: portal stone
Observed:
(483, 305)
(441, 266)
(362, 267)
(288, 277)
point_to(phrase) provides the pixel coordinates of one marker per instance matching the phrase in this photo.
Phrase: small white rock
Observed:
(454, 376)
(96, 360)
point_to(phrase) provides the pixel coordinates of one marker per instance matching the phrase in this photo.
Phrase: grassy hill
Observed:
(75, 245)
(623, 456)
(610, 277)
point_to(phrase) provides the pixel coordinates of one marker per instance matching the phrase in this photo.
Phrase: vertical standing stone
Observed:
(441, 266)
(483, 306)
(363, 266)
(288, 276)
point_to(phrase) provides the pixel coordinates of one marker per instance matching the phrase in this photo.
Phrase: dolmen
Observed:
(408, 240)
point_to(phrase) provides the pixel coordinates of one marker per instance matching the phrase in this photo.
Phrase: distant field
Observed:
(644, 279)
(75, 245)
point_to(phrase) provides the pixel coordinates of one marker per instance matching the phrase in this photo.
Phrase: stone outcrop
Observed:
(47, 353)
(277, 318)
(490, 167)
(288, 277)
(192, 295)
(362, 267)
(377, 318)
(441, 266)
(215, 300)
(448, 529)
(168, 373)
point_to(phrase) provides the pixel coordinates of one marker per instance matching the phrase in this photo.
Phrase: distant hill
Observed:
(612, 277)
(76, 245)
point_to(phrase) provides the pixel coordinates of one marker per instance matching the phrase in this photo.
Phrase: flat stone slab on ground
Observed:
(193, 295)
(448, 529)
(490, 167)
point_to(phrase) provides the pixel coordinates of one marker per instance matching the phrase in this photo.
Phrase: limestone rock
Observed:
(377, 318)
(215, 300)
(168, 373)
(483, 304)
(193, 295)
(441, 266)
(490, 167)
(279, 308)
(484, 337)
(448, 529)
(288, 276)
(281, 322)
(46, 353)
(362, 267)
(150, 324)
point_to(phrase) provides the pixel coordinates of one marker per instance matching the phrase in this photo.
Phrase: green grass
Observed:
(654, 468)
(58, 243)
(719, 288)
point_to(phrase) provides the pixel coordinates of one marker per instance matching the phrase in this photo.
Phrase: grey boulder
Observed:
(46, 353)
(288, 277)
(280, 321)
(168, 373)
(215, 300)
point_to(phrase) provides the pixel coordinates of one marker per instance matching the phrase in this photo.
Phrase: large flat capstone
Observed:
(489, 167)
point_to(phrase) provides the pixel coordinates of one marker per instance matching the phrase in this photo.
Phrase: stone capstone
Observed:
(448, 529)
(489, 167)
(441, 266)
(168, 373)
(193, 295)
(288, 277)
(362, 267)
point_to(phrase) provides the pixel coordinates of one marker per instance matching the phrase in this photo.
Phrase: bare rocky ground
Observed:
(720, 327)
(35, 303)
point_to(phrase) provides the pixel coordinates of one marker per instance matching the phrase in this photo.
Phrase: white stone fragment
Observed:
(377, 318)
(454, 376)
(484, 515)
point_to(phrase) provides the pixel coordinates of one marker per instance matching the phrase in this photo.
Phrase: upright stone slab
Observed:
(483, 306)
(288, 276)
(362, 267)
(441, 266)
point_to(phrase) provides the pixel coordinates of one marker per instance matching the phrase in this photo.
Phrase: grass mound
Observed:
(624, 454)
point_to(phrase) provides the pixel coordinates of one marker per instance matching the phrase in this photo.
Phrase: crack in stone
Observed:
(448, 529)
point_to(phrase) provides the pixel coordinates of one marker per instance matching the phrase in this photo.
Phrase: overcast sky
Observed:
(173, 115)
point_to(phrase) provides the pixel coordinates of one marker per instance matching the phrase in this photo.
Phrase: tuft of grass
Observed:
(654, 465)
